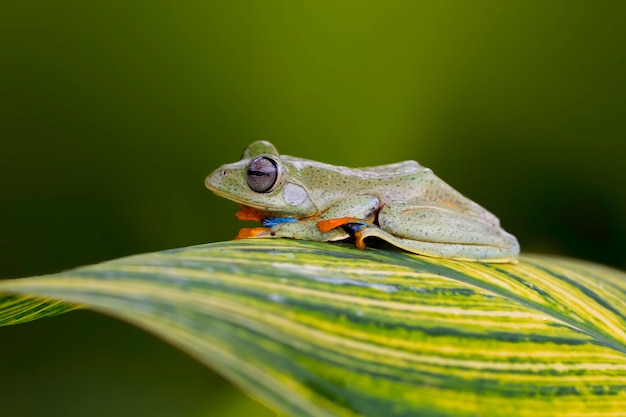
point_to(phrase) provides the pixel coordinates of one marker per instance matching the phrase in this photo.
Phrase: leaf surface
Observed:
(317, 329)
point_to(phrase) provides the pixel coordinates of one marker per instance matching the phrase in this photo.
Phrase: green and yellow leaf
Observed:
(316, 329)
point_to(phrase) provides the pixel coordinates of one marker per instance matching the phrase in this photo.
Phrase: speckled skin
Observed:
(403, 203)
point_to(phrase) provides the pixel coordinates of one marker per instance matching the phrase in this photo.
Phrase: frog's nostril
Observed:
(224, 173)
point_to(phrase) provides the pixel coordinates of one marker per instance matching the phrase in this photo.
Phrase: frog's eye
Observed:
(262, 174)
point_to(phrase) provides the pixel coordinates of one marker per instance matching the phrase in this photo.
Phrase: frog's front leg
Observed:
(304, 229)
(323, 228)
(358, 212)
(288, 227)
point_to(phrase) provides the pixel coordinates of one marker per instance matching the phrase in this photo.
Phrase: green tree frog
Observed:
(404, 204)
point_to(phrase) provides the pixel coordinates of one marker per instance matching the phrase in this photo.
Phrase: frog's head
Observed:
(263, 181)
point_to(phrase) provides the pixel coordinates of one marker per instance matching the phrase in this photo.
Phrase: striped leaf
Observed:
(316, 329)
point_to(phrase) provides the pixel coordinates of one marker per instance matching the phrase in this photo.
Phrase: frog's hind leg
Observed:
(480, 253)
(439, 232)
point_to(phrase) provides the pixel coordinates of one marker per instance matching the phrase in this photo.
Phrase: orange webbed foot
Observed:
(249, 213)
(326, 226)
(251, 232)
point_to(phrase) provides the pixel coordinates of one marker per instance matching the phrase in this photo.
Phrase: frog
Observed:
(404, 204)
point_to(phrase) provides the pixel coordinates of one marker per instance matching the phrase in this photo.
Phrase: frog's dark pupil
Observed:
(262, 174)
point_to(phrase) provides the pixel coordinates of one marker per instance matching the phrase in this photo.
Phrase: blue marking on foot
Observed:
(273, 221)
(354, 227)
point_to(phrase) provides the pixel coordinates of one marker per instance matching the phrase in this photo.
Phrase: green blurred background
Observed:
(112, 113)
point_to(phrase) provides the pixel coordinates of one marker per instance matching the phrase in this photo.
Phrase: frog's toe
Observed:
(326, 226)
(356, 228)
(359, 240)
(249, 213)
(252, 232)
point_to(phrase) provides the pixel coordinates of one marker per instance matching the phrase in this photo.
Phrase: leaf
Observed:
(318, 329)
(22, 309)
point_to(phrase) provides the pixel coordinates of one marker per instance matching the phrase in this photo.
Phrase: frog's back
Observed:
(429, 189)
(406, 181)
(410, 182)
(394, 170)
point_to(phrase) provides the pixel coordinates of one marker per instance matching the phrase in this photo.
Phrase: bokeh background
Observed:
(112, 113)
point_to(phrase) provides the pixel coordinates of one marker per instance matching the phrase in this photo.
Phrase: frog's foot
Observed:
(359, 231)
(252, 232)
(326, 226)
(356, 227)
(249, 213)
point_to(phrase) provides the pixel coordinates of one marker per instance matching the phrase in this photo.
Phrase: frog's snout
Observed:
(213, 180)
